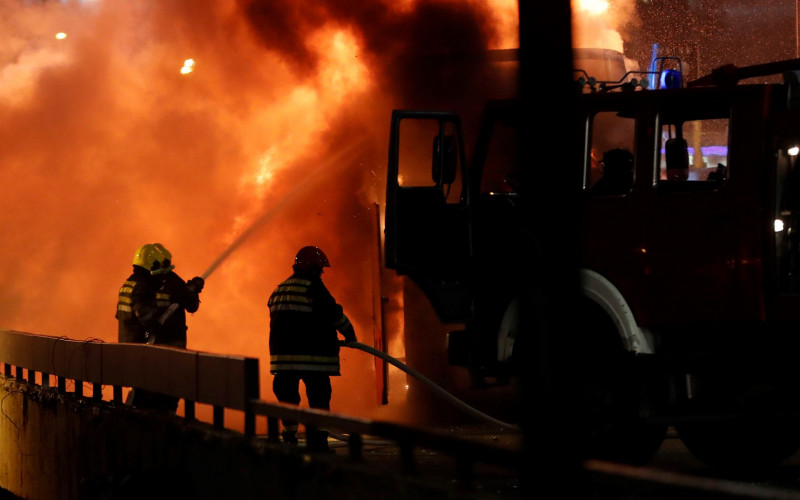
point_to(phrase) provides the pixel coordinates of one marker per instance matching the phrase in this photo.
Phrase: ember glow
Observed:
(274, 139)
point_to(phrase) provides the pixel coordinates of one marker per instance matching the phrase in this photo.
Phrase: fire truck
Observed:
(689, 262)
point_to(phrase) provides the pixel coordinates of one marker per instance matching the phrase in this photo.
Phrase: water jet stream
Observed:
(315, 178)
(323, 172)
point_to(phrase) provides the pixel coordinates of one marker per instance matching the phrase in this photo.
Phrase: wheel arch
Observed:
(602, 292)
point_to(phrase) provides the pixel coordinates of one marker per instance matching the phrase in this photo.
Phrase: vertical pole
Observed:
(273, 429)
(379, 322)
(188, 409)
(249, 423)
(219, 417)
(552, 430)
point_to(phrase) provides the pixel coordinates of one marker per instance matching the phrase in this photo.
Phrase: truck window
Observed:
(693, 155)
(420, 141)
(610, 135)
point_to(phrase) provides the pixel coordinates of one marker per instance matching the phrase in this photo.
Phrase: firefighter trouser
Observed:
(286, 387)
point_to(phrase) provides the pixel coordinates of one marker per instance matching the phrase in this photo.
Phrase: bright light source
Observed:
(593, 6)
(188, 66)
(778, 225)
(793, 151)
(61, 35)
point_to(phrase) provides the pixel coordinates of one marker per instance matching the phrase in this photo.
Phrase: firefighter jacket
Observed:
(176, 293)
(137, 310)
(304, 319)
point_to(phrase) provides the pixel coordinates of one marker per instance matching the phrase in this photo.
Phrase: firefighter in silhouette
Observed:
(175, 298)
(146, 314)
(617, 176)
(303, 340)
(137, 308)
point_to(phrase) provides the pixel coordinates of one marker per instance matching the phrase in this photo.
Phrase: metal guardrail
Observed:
(223, 381)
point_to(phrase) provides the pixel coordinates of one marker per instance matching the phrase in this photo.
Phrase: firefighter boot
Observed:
(318, 441)
(289, 437)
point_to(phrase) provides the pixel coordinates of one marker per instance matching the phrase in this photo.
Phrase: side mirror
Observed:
(676, 151)
(445, 159)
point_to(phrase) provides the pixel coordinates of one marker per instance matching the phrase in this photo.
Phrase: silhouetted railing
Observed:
(223, 381)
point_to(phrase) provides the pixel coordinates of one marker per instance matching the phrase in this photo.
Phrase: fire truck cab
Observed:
(689, 260)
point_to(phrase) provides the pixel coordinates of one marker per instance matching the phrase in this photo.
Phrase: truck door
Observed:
(427, 211)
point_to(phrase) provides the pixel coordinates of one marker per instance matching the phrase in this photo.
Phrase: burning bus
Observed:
(690, 298)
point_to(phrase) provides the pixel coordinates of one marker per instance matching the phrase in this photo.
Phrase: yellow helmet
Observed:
(167, 255)
(153, 257)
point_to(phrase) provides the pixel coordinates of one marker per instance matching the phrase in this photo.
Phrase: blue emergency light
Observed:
(670, 79)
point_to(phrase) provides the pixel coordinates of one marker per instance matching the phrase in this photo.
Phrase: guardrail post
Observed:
(45, 379)
(62, 384)
(78, 388)
(188, 409)
(31, 376)
(97, 391)
(273, 429)
(117, 397)
(219, 417)
(249, 423)
(18, 372)
(6, 369)
(356, 446)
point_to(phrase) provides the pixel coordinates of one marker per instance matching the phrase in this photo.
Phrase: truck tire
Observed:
(604, 387)
(616, 385)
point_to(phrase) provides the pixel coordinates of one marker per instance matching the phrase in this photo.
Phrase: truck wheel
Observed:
(617, 432)
(603, 381)
(748, 445)
(615, 385)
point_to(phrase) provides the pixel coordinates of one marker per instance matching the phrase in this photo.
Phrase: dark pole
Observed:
(550, 181)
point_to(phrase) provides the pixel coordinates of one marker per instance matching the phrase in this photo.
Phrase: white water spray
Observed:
(335, 164)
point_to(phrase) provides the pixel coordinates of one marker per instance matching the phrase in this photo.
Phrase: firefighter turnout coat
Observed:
(304, 319)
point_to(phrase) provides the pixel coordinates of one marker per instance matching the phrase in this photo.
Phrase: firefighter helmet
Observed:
(166, 264)
(152, 258)
(310, 258)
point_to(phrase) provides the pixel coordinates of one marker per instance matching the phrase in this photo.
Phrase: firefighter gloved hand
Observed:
(197, 283)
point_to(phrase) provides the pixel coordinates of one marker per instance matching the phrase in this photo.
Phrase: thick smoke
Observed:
(280, 132)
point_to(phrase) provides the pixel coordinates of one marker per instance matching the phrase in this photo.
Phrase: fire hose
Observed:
(354, 345)
(436, 388)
